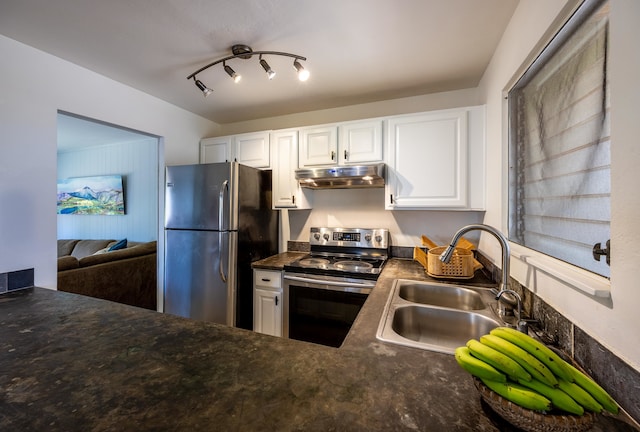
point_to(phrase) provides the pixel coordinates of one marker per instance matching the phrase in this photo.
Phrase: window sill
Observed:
(579, 279)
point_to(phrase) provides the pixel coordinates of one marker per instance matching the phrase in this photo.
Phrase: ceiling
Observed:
(357, 51)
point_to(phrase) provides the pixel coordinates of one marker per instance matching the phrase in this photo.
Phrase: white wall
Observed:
(137, 163)
(612, 322)
(33, 87)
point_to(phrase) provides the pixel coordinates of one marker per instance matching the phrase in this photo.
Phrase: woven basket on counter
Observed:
(532, 421)
(462, 265)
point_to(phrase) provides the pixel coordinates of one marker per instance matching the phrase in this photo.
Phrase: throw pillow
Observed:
(101, 251)
(120, 245)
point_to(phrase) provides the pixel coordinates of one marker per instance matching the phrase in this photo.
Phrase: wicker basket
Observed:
(532, 421)
(461, 266)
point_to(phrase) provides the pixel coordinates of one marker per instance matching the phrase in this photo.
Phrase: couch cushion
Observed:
(119, 245)
(67, 263)
(88, 247)
(65, 247)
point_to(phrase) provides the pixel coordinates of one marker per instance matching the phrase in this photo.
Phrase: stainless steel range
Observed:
(325, 290)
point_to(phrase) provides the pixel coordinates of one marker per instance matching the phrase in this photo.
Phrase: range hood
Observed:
(342, 177)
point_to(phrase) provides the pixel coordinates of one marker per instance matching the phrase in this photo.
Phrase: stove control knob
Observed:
(367, 238)
(326, 236)
(378, 238)
(316, 236)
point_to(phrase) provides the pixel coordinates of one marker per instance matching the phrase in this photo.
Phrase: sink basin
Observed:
(441, 295)
(436, 316)
(441, 330)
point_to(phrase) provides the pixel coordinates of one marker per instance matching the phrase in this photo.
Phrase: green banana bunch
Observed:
(537, 349)
(580, 395)
(477, 367)
(598, 393)
(558, 398)
(538, 378)
(535, 367)
(520, 395)
(498, 360)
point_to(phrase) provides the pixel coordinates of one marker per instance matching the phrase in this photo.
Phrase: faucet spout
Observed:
(506, 253)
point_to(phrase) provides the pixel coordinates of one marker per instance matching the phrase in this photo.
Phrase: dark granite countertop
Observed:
(72, 363)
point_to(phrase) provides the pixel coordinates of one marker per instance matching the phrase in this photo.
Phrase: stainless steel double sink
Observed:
(436, 316)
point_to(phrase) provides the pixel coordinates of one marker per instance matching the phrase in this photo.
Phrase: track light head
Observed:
(232, 73)
(206, 91)
(303, 74)
(267, 68)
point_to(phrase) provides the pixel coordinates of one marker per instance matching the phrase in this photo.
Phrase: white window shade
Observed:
(560, 145)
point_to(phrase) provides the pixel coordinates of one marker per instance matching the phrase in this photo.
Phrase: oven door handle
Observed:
(366, 284)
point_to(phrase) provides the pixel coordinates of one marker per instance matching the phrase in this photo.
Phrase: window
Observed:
(559, 144)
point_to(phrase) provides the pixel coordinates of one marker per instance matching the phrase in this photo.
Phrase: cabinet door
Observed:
(287, 193)
(268, 311)
(360, 142)
(214, 150)
(427, 161)
(319, 146)
(252, 149)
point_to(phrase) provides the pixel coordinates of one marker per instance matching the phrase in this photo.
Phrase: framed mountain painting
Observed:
(97, 195)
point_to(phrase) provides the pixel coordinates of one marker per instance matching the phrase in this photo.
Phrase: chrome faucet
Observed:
(445, 257)
(521, 324)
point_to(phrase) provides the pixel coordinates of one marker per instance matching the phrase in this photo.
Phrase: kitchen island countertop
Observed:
(72, 363)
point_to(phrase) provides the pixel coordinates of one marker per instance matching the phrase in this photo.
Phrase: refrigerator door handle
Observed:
(221, 207)
(223, 276)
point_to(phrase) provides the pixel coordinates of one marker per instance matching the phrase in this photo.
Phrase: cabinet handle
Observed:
(293, 199)
(276, 300)
(333, 155)
(266, 280)
(346, 155)
(391, 198)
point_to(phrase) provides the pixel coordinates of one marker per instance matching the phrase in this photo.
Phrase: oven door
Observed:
(321, 309)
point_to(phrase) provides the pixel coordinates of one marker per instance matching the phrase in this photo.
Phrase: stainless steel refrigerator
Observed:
(218, 220)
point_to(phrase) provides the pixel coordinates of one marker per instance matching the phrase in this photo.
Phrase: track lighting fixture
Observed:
(303, 74)
(236, 78)
(245, 52)
(267, 68)
(206, 91)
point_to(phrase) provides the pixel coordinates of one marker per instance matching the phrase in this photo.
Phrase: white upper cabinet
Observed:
(360, 142)
(250, 149)
(341, 144)
(214, 150)
(287, 192)
(436, 160)
(318, 146)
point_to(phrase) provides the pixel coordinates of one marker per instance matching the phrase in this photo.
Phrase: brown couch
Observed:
(126, 275)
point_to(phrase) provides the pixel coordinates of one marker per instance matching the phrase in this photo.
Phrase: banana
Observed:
(591, 387)
(520, 395)
(580, 395)
(558, 398)
(498, 360)
(477, 367)
(539, 350)
(535, 367)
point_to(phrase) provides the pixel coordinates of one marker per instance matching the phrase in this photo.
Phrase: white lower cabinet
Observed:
(267, 302)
